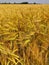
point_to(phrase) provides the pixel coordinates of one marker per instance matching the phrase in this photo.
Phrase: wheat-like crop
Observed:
(24, 34)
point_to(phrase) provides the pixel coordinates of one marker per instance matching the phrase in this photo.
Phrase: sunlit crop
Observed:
(24, 34)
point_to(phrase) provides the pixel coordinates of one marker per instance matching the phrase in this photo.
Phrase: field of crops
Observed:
(24, 34)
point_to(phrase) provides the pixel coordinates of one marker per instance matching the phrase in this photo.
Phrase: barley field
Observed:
(24, 34)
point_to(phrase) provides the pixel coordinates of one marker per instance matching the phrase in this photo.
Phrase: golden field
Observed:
(24, 34)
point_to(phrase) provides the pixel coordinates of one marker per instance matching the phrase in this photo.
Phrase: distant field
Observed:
(24, 34)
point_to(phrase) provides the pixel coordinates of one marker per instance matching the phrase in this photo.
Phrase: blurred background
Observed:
(25, 1)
